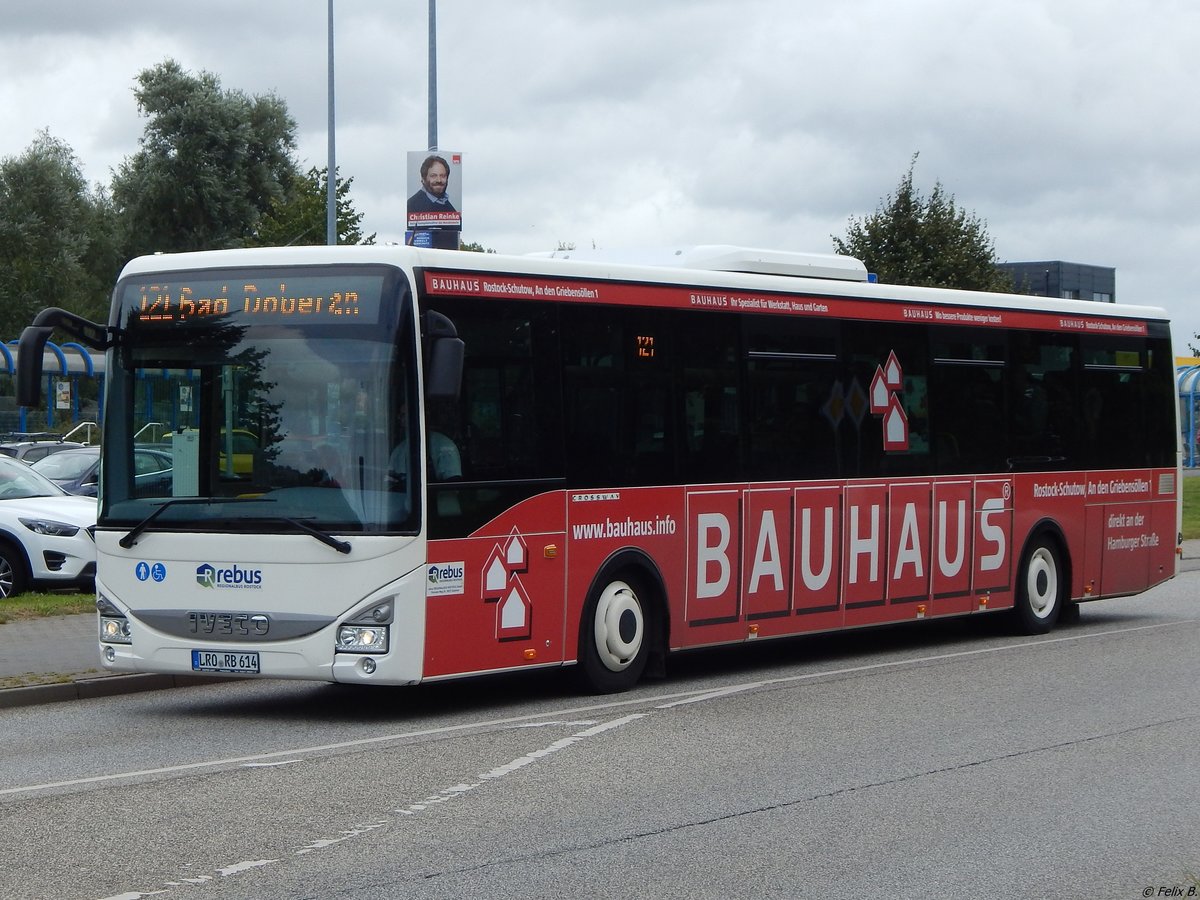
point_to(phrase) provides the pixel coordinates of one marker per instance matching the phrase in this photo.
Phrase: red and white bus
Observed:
(394, 465)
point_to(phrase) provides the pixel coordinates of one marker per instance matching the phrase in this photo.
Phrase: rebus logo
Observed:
(209, 576)
(206, 576)
(446, 571)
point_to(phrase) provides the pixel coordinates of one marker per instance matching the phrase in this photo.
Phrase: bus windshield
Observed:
(280, 396)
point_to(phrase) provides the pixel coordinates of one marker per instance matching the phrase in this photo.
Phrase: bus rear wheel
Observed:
(613, 640)
(1041, 587)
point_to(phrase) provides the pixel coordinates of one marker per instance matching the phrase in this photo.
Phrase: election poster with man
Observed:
(434, 190)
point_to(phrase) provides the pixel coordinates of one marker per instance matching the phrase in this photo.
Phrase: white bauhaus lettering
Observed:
(710, 553)
(951, 567)
(814, 581)
(909, 551)
(992, 532)
(766, 555)
(867, 548)
(861, 545)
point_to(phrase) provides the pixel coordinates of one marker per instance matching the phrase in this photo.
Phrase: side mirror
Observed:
(32, 346)
(444, 378)
(444, 352)
(29, 364)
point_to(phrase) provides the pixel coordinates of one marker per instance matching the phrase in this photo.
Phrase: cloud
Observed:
(768, 122)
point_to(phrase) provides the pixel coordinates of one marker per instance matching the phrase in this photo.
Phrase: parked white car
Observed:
(46, 534)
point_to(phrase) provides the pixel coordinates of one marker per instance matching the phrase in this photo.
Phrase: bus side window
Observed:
(869, 347)
(1042, 392)
(505, 420)
(1115, 430)
(617, 384)
(711, 445)
(442, 439)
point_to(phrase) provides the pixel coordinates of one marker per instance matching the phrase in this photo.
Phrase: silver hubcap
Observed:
(1041, 583)
(618, 627)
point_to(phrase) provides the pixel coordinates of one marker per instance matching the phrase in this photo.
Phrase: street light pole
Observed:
(331, 171)
(433, 140)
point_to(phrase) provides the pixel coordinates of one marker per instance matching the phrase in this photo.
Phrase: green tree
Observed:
(926, 241)
(210, 164)
(56, 246)
(300, 216)
(475, 247)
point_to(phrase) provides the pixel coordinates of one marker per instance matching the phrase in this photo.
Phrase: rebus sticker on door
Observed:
(444, 579)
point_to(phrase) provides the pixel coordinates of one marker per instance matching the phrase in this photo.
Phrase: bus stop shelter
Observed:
(63, 368)
(1188, 382)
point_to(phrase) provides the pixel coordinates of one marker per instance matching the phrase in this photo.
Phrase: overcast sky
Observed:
(1068, 126)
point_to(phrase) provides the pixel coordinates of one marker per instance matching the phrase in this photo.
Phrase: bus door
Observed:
(494, 600)
(495, 590)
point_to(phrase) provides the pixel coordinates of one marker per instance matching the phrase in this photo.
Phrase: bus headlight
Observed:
(115, 630)
(114, 627)
(362, 639)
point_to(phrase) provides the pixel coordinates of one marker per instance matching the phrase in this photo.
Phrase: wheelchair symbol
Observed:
(145, 571)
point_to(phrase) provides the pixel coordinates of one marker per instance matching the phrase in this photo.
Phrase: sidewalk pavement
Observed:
(58, 658)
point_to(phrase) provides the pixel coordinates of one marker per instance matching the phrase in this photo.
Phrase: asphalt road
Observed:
(929, 760)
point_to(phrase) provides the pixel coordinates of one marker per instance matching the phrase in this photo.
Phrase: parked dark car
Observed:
(78, 471)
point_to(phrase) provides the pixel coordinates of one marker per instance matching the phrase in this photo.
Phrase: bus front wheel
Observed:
(1041, 587)
(613, 640)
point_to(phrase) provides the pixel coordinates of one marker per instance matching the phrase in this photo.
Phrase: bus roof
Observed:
(727, 258)
(733, 268)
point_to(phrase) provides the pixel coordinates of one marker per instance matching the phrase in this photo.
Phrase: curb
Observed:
(100, 686)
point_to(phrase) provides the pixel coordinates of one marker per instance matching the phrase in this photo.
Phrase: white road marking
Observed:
(662, 702)
(593, 729)
(713, 695)
(446, 794)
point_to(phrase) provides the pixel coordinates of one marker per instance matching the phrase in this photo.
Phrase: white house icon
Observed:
(502, 586)
(880, 393)
(893, 372)
(895, 426)
(514, 612)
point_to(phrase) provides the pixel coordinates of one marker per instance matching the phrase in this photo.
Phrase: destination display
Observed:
(352, 299)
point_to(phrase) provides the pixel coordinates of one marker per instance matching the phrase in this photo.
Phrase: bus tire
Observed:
(1041, 587)
(614, 636)
(13, 577)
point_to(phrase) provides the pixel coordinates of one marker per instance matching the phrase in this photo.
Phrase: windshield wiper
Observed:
(325, 538)
(130, 539)
(322, 536)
